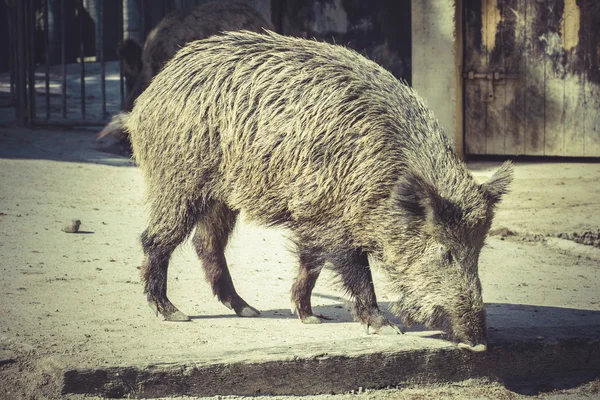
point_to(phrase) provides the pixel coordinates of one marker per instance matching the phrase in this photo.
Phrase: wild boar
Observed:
(317, 138)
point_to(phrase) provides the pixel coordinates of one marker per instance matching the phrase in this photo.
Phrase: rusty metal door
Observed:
(532, 77)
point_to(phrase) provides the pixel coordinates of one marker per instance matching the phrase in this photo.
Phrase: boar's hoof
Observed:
(377, 324)
(248, 311)
(169, 312)
(176, 316)
(241, 308)
(311, 319)
(390, 329)
(478, 348)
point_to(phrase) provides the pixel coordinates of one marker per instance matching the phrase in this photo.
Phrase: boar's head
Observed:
(432, 254)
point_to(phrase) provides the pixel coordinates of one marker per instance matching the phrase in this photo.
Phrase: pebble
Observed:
(73, 227)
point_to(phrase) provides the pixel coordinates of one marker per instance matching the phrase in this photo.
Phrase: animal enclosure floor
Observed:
(75, 320)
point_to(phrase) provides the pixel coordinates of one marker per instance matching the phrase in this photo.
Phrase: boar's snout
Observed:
(470, 331)
(477, 348)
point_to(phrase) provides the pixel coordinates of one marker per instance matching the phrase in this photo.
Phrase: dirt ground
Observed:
(77, 296)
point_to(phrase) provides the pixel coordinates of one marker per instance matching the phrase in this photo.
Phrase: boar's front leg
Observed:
(353, 268)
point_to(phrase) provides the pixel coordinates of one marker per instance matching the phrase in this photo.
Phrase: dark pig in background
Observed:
(173, 32)
(317, 138)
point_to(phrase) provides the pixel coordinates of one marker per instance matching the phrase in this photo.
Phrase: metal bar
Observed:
(27, 55)
(20, 84)
(63, 57)
(31, 58)
(496, 75)
(102, 66)
(82, 58)
(73, 122)
(47, 56)
(121, 34)
(25, 65)
(143, 23)
(12, 35)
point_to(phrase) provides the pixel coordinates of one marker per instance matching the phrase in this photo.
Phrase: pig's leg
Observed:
(212, 233)
(310, 267)
(355, 272)
(169, 225)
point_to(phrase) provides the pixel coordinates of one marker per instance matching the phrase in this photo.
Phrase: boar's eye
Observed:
(446, 255)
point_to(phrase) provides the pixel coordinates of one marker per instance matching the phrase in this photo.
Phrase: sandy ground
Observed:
(78, 297)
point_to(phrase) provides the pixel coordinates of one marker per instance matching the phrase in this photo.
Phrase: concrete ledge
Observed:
(514, 357)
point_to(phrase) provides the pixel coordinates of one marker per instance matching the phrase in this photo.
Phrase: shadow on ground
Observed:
(58, 145)
(521, 321)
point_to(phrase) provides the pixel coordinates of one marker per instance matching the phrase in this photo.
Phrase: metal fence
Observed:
(63, 68)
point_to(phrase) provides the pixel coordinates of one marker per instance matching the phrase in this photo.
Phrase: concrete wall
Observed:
(437, 61)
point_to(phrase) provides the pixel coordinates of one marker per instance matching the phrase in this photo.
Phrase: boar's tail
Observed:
(115, 127)
(131, 53)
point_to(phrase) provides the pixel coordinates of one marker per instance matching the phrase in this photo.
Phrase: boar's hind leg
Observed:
(164, 233)
(355, 272)
(210, 240)
(310, 267)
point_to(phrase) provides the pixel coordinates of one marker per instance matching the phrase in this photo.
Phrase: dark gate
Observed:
(532, 77)
(62, 64)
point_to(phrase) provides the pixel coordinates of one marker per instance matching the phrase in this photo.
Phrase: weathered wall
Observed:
(437, 61)
(549, 103)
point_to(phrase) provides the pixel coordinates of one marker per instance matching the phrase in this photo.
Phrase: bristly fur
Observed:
(499, 184)
(315, 137)
(171, 34)
(117, 123)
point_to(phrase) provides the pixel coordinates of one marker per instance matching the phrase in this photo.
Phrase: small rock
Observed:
(73, 227)
(502, 232)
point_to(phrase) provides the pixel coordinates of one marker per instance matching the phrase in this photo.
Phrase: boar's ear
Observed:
(499, 183)
(409, 194)
(418, 199)
(442, 210)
